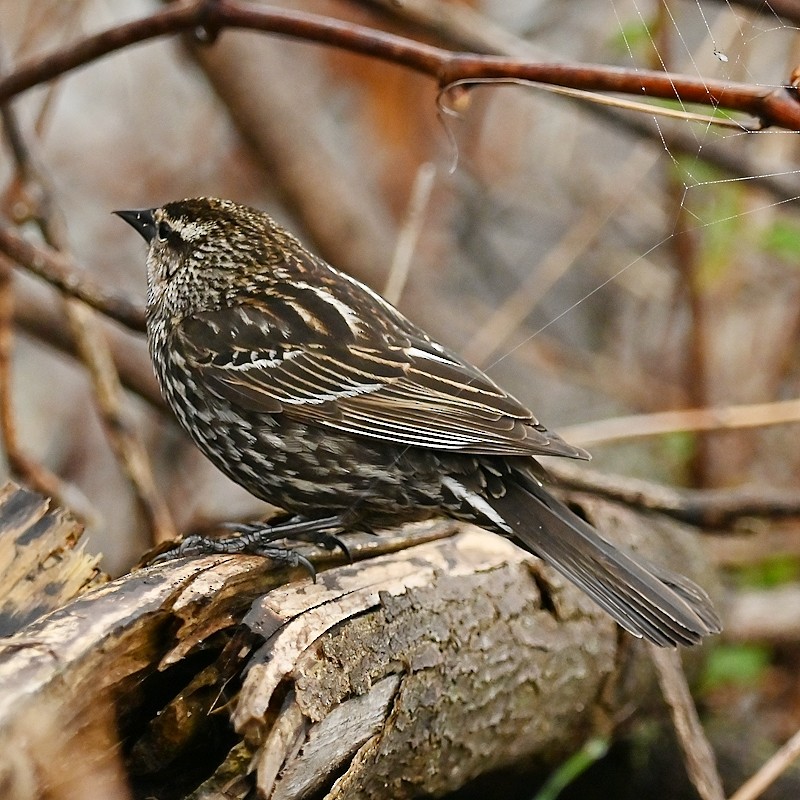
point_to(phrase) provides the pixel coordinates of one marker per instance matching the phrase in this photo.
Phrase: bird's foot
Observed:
(322, 532)
(257, 539)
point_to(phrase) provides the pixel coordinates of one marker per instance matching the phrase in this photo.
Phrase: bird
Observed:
(315, 394)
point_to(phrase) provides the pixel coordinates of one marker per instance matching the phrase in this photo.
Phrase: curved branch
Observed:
(772, 106)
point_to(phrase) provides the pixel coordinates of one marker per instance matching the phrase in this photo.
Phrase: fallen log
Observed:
(440, 654)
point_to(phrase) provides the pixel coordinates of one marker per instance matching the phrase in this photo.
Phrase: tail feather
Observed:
(647, 600)
(691, 593)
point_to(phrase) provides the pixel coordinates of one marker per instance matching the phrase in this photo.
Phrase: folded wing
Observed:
(402, 387)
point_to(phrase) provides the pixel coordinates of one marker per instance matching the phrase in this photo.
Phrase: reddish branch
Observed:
(207, 18)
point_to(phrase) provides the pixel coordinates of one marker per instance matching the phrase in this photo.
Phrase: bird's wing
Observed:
(404, 388)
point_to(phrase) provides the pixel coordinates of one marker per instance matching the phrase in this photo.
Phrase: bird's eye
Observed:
(164, 231)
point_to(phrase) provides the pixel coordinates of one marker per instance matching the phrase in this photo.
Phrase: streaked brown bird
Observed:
(316, 395)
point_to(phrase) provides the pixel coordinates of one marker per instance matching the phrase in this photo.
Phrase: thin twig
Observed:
(465, 28)
(712, 509)
(122, 434)
(36, 317)
(698, 755)
(21, 466)
(683, 249)
(770, 771)
(61, 272)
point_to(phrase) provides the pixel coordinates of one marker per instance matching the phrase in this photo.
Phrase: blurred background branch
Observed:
(604, 265)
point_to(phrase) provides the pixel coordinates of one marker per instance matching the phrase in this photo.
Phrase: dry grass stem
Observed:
(409, 233)
(755, 415)
(123, 436)
(772, 769)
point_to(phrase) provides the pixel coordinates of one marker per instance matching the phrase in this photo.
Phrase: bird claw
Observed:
(331, 542)
(322, 532)
(256, 538)
(232, 545)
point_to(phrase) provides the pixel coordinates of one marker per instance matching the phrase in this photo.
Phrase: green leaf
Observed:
(782, 239)
(772, 571)
(573, 767)
(739, 664)
(633, 37)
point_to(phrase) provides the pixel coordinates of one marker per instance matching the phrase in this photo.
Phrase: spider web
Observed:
(697, 282)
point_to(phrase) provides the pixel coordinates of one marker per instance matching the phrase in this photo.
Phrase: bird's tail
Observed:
(645, 599)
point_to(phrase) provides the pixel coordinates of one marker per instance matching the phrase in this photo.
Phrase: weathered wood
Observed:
(480, 652)
(405, 673)
(42, 562)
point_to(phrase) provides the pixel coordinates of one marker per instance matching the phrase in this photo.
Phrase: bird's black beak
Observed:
(141, 220)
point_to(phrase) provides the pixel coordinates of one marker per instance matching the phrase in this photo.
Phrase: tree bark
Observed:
(443, 652)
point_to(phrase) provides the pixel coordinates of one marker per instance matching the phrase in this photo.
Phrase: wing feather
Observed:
(398, 386)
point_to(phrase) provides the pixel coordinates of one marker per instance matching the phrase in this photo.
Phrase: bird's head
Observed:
(203, 252)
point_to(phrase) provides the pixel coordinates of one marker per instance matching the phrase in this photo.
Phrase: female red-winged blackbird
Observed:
(316, 395)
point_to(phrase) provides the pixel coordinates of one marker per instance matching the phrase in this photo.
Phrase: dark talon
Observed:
(316, 531)
(191, 545)
(255, 539)
(286, 557)
(337, 542)
(232, 545)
